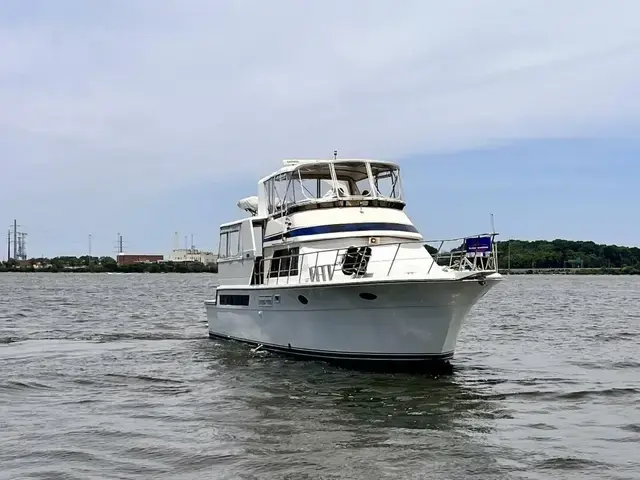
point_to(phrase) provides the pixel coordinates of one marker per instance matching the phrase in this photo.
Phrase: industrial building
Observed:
(131, 258)
(192, 255)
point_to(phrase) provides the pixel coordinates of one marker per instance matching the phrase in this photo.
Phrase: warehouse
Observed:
(131, 258)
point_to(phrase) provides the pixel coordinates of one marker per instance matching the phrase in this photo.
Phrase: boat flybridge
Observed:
(328, 266)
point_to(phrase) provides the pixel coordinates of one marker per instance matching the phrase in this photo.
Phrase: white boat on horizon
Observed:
(328, 266)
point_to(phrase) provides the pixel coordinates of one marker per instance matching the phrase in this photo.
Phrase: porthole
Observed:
(302, 299)
(368, 296)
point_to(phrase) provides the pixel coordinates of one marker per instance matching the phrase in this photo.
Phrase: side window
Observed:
(229, 243)
(234, 243)
(284, 263)
(236, 300)
(223, 250)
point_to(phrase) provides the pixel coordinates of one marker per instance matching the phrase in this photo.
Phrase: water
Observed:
(113, 376)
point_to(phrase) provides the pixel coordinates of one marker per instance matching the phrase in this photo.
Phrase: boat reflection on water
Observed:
(296, 416)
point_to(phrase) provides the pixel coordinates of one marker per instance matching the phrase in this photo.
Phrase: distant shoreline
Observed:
(96, 272)
(513, 271)
(112, 267)
(515, 257)
(571, 271)
(559, 256)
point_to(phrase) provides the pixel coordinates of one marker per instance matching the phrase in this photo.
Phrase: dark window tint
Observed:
(239, 300)
(284, 263)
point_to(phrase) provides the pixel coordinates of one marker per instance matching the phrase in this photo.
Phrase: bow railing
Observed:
(379, 260)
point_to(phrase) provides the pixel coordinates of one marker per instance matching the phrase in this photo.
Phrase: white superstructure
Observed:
(329, 266)
(192, 255)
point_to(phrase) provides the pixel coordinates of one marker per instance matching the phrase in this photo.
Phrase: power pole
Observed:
(9, 245)
(15, 239)
(89, 247)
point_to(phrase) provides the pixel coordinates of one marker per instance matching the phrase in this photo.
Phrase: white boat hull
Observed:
(407, 322)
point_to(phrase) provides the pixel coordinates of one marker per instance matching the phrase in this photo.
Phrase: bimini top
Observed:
(306, 184)
(290, 164)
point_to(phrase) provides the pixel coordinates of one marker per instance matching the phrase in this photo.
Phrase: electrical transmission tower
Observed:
(22, 246)
(19, 241)
(119, 245)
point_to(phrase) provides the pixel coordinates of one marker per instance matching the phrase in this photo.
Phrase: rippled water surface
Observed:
(113, 376)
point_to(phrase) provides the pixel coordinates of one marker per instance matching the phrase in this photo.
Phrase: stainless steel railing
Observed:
(474, 253)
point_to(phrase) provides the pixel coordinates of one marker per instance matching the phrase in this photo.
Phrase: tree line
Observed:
(584, 256)
(102, 264)
(512, 254)
(557, 254)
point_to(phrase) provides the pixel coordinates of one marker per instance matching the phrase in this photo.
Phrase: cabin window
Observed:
(223, 251)
(235, 300)
(284, 263)
(234, 243)
(386, 179)
(229, 243)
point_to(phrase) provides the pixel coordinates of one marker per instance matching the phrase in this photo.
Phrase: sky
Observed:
(144, 118)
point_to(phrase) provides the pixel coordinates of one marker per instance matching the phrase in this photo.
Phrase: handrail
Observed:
(460, 258)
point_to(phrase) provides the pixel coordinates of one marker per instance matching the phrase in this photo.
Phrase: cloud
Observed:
(146, 95)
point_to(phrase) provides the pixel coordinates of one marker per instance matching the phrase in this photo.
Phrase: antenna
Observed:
(493, 226)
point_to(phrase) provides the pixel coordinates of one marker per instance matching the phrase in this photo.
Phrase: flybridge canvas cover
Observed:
(478, 246)
(250, 204)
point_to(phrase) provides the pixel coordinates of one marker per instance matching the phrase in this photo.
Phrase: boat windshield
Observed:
(313, 182)
(356, 176)
(386, 180)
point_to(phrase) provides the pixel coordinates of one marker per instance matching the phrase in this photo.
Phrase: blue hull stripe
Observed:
(342, 227)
